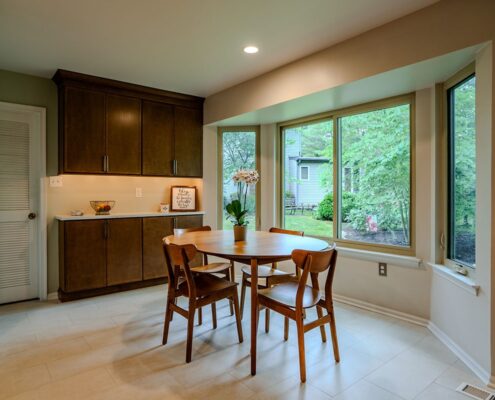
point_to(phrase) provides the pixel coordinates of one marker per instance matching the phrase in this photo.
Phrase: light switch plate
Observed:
(56, 181)
(139, 192)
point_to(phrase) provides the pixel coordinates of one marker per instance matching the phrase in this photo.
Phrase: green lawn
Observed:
(306, 223)
(309, 225)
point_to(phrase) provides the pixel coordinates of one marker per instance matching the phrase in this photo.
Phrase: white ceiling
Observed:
(189, 46)
(388, 84)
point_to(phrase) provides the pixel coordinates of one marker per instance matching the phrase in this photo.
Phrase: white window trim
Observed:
(300, 172)
(374, 256)
(464, 282)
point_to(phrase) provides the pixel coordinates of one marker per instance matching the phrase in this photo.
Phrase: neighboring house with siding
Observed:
(303, 174)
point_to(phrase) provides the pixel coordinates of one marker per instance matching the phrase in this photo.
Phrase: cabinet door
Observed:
(158, 139)
(124, 251)
(188, 142)
(154, 230)
(123, 122)
(188, 221)
(84, 131)
(84, 255)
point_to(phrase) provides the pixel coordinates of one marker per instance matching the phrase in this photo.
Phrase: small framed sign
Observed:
(183, 198)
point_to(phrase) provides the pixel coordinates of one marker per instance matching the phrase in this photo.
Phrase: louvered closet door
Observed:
(19, 191)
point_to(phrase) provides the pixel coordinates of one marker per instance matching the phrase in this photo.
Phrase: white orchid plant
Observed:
(236, 209)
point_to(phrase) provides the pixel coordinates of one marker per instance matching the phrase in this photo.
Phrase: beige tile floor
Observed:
(109, 348)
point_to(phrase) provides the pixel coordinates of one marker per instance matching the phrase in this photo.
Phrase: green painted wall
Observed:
(34, 91)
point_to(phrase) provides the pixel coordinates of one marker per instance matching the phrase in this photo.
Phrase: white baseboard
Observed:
(477, 369)
(52, 296)
(381, 310)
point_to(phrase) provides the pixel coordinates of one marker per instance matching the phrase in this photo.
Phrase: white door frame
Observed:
(40, 112)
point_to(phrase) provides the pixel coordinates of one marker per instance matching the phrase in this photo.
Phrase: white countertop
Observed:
(126, 215)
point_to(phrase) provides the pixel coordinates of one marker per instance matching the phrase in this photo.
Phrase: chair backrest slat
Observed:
(179, 257)
(286, 231)
(313, 263)
(181, 231)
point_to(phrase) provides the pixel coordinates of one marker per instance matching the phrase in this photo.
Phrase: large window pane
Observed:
(239, 152)
(375, 176)
(462, 172)
(308, 178)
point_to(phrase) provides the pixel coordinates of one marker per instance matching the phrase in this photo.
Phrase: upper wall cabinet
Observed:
(111, 127)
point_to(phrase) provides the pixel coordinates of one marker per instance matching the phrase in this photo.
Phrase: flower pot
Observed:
(240, 233)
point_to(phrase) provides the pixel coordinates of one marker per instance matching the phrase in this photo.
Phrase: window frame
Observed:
(300, 173)
(335, 116)
(444, 172)
(220, 131)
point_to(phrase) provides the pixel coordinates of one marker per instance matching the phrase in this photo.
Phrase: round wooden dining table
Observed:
(259, 248)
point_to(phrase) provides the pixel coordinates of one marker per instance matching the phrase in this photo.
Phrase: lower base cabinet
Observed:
(154, 230)
(124, 250)
(115, 254)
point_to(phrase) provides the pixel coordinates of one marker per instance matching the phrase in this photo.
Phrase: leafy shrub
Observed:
(348, 204)
(325, 208)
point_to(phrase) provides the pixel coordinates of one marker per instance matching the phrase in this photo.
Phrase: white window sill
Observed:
(393, 259)
(463, 282)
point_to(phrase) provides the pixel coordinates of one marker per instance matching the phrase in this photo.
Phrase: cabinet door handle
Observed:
(175, 222)
(175, 167)
(104, 163)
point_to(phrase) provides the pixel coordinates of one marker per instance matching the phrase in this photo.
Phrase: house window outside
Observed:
(461, 191)
(304, 173)
(359, 188)
(308, 204)
(239, 149)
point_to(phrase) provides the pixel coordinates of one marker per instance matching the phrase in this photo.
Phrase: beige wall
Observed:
(419, 36)
(466, 318)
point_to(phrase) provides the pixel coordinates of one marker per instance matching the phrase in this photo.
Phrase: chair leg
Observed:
(267, 320)
(235, 300)
(214, 315)
(231, 277)
(319, 312)
(243, 294)
(200, 316)
(286, 328)
(168, 317)
(333, 331)
(300, 342)
(190, 327)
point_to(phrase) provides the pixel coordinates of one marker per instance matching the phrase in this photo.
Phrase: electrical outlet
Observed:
(139, 192)
(56, 181)
(382, 269)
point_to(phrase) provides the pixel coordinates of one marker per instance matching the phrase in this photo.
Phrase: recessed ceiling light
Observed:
(250, 49)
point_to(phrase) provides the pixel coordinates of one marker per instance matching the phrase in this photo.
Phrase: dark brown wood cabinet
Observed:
(111, 127)
(188, 221)
(158, 139)
(188, 142)
(82, 141)
(114, 254)
(124, 250)
(83, 264)
(154, 230)
(123, 135)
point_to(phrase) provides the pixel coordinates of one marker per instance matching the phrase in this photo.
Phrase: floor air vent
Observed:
(475, 392)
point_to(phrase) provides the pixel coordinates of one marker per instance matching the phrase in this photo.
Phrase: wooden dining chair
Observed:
(271, 274)
(201, 289)
(292, 298)
(225, 269)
